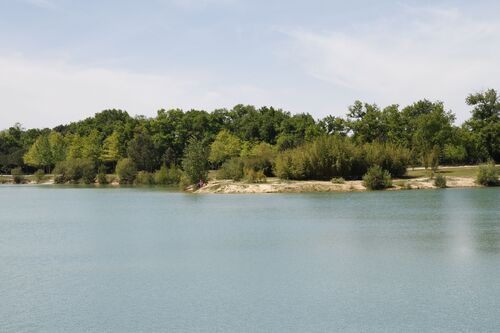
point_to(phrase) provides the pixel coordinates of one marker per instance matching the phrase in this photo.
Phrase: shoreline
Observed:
(275, 185)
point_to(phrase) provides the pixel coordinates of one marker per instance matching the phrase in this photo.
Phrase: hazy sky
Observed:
(63, 60)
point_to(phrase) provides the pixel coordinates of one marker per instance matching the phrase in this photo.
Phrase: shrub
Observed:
(126, 171)
(39, 175)
(167, 176)
(17, 175)
(377, 178)
(254, 176)
(261, 157)
(231, 169)
(338, 180)
(75, 170)
(440, 181)
(101, 178)
(487, 175)
(144, 178)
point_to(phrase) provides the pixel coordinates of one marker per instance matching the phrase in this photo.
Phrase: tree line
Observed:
(251, 142)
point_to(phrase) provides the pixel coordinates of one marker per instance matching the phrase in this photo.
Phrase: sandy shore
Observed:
(275, 185)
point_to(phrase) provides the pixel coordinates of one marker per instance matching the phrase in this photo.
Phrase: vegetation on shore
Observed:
(251, 144)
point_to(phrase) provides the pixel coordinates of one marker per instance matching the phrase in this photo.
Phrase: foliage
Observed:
(270, 140)
(17, 175)
(195, 161)
(487, 175)
(102, 178)
(39, 176)
(232, 169)
(338, 180)
(40, 154)
(225, 146)
(485, 122)
(377, 178)
(75, 170)
(126, 171)
(142, 151)
(254, 176)
(111, 148)
(167, 176)
(144, 178)
(260, 158)
(440, 181)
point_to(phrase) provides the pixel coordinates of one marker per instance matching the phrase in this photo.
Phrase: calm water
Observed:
(137, 260)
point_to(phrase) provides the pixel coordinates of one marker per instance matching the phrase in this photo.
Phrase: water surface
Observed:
(139, 260)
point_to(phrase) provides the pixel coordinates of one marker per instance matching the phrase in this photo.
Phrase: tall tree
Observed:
(195, 161)
(485, 122)
(40, 154)
(111, 148)
(141, 150)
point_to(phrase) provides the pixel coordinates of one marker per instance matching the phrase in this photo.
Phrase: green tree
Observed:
(485, 122)
(40, 154)
(111, 148)
(57, 147)
(75, 146)
(225, 146)
(195, 162)
(91, 146)
(142, 151)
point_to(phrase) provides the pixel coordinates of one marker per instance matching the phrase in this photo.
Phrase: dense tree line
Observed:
(262, 141)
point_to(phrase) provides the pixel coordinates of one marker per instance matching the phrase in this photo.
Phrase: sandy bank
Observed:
(275, 185)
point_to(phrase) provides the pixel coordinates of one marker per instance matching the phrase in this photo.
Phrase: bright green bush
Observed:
(440, 181)
(377, 178)
(167, 176)
(144, 178)
(487, 175)
(126, 171)
(17, 175)
(329, 157)
(390, 157)
(231, 169)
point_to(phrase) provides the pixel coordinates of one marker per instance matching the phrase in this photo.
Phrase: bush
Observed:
(487, 175)
(254, 176)
(144, 178)
(231, 169)
(377, 178)
(126, 171)
(39, 175)
(440, 181)
(332, 157)
(261, 157)
(101, 178)
(338, 180)
(17, 175)
(75, 170)
(167, 176)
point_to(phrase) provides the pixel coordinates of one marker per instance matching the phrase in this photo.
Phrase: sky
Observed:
(63, 60)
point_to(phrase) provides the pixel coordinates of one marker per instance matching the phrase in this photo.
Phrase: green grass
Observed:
(470, 171)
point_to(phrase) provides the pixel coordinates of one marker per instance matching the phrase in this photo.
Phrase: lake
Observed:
(149, 260)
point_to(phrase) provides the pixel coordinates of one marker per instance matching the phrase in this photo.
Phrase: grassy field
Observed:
(461, 171)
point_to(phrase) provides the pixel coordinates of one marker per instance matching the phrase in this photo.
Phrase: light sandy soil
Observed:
(275, 185)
